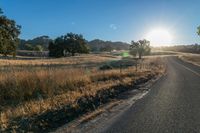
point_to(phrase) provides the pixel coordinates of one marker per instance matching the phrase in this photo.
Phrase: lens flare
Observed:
(159, 37)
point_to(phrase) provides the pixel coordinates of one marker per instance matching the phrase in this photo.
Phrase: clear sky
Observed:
(116, 20)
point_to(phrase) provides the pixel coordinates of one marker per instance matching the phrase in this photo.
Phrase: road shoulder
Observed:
(100, 118)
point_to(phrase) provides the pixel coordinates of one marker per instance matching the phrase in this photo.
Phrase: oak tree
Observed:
(9, 32)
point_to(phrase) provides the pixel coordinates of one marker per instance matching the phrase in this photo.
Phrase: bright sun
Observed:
(159, 37)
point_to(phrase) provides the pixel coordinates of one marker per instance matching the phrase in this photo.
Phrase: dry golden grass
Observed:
(30, 91)
(192, 58)
(92, 58)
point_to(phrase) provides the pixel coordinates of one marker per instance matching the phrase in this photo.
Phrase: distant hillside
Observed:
(31, 44)
(195, 48)
(100, 45)
(95, 45)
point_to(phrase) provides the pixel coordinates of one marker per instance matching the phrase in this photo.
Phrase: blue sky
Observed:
(116, 20)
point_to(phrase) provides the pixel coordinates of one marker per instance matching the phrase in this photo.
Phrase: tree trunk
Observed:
(140, 55)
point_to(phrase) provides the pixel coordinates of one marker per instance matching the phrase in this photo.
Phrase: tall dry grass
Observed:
(76, 60)
(191, 58)
(18, 86)
(28, 91)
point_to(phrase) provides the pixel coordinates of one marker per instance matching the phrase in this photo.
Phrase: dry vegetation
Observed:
(78, 60)
(191, 58)
(35, 99)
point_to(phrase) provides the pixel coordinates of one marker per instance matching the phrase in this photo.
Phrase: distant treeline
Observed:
(195, 48)
(41, 43)
(100, 45)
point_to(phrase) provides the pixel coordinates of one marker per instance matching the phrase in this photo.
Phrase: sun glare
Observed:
(159, 37)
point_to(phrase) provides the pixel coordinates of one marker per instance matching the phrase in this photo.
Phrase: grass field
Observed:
(31, 90)
(191, 58)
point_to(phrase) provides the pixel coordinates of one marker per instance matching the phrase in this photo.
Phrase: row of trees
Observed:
(31, 47)
(98, 45)
(142, 47)
(9, 33)
(69, 44)
(40, 43)
(194, 48)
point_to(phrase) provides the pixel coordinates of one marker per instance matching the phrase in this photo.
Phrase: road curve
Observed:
(172, 105)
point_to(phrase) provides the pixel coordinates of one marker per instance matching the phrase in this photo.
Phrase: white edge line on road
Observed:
(189, 69)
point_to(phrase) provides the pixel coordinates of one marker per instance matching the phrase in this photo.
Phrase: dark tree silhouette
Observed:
(75, 44)
(9, 33)
(68, 44)
(106, 48)
(41, 41)
(141, 47)
(198, 30)
(56, 49)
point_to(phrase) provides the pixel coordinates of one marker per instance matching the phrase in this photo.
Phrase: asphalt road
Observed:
(172, 105)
